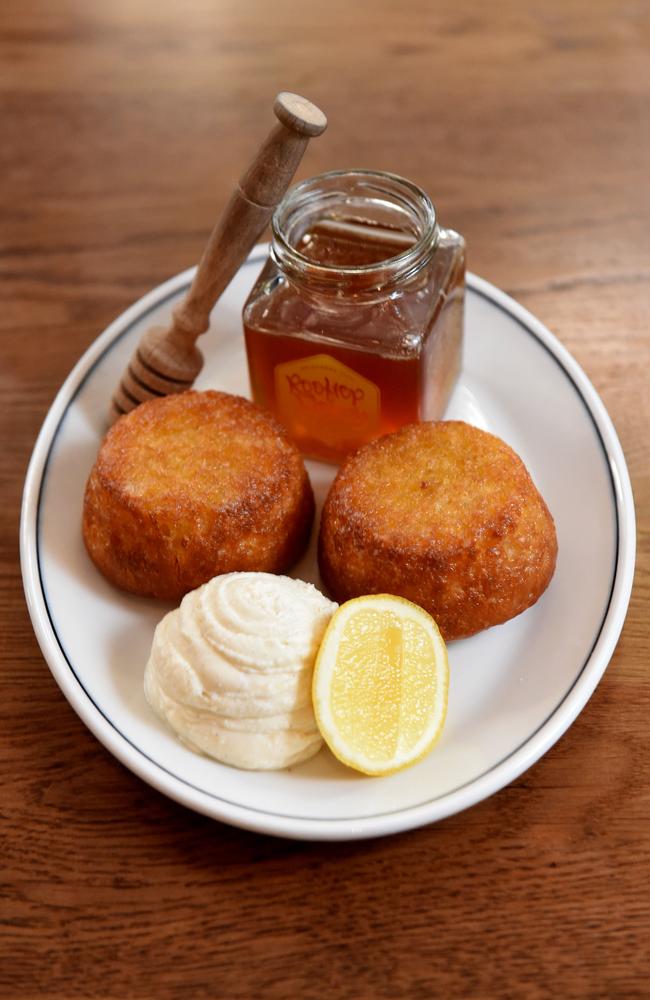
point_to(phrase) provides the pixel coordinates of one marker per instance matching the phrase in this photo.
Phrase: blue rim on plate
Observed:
(328, 828)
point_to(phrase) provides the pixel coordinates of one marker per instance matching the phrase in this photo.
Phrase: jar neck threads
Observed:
(354, 231)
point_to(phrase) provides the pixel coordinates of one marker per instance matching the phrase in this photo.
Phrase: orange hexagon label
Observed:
(322, 399)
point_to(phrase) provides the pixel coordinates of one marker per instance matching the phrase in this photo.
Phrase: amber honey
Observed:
(354, 327)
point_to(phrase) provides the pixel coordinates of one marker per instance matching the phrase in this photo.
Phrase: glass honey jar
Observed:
(355, 324)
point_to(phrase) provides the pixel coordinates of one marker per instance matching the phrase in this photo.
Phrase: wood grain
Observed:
(124, 127)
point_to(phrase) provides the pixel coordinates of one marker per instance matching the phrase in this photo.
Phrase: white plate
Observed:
(514, 689)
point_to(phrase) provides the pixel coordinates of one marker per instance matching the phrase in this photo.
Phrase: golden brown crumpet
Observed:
(189, 486)
(445, 515)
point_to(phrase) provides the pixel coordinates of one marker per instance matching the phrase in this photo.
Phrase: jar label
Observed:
(321, 398)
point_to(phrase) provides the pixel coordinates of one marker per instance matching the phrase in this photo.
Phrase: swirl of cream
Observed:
(230, 670)
(257, 624)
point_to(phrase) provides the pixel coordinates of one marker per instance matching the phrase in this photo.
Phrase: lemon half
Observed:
(380, 684)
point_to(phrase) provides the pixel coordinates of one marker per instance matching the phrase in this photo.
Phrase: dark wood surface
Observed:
(123, 126)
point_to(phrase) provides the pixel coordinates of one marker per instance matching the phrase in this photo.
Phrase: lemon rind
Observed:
(324, 666)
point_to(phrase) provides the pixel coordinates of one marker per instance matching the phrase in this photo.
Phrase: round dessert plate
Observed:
(514, 689)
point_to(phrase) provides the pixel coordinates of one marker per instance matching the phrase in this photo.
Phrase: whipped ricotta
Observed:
(230, 670)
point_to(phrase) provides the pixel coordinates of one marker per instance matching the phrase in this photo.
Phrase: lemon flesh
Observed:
(380, 684)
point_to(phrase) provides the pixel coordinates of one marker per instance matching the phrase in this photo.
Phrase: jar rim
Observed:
(398, 267)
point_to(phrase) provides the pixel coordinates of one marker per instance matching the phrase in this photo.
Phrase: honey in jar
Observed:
(355, 325)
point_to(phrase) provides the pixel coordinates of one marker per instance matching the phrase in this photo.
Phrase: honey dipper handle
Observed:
(167, 359)
(248, 211)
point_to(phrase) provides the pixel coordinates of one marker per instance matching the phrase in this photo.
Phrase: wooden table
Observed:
(123, 127)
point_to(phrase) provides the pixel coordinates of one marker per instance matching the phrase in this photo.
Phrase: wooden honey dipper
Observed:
(167, 359)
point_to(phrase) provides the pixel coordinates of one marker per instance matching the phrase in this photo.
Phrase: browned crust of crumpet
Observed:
(189, 486)
(445, 515)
